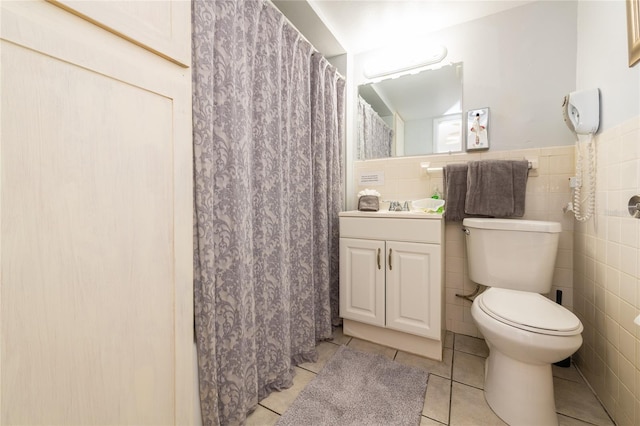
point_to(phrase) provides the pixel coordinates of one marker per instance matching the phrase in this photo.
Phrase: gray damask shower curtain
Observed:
(374, 135)
(268, 125)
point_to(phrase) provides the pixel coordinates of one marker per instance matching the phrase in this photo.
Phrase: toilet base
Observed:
(519, 393)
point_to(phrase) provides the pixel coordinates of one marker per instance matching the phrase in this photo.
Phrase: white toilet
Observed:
(525, 331)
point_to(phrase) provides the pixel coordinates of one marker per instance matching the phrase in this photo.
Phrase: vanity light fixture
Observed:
(395, 60)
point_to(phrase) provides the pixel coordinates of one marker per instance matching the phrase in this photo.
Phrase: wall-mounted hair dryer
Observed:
(581, 111)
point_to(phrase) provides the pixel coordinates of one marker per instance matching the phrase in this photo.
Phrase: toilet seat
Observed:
(529, 311)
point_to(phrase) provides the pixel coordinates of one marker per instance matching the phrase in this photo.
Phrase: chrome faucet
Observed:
(395, 206)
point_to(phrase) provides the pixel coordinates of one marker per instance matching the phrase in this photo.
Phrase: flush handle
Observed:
(466, 231)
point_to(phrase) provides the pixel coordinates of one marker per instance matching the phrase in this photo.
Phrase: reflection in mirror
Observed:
(423, 110)
(375, 136)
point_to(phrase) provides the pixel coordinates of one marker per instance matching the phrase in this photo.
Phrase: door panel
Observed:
(157, 26)
(362, 280)
(87, 213)
(96, 222)
(412, 287)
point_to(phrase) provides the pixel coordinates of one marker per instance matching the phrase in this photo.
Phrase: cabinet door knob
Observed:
(390, 267)
(378, 258)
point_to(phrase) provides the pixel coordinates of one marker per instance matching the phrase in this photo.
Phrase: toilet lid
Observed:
(529, 311)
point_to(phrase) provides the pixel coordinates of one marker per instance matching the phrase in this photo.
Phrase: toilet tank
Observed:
(512, 253)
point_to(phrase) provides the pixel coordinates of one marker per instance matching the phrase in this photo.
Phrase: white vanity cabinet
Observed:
(391, 283)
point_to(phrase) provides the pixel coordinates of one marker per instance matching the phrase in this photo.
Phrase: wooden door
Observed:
(96, 223)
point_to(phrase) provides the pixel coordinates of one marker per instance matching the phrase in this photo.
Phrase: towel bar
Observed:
(533, 165)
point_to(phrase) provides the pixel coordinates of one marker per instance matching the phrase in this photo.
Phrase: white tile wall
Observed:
(547, 192)
(606, 277)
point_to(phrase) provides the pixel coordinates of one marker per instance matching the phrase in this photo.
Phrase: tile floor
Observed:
(454, 390)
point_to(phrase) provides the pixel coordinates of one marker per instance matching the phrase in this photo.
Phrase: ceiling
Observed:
(360, 25)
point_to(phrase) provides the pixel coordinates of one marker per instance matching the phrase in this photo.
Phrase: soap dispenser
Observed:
(436, 194)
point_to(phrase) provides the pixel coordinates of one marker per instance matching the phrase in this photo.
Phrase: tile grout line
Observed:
(267, 408)
(584, 379)
(578, 419)
(453, 349)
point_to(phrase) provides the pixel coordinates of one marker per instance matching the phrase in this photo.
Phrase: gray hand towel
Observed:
(520, 176)
(455, 191)
(496, 188)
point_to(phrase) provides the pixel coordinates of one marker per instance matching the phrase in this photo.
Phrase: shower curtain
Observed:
(268, 131)
(374, 136)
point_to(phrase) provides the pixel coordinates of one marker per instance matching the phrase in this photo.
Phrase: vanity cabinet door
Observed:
(413, 288)
(362, 276)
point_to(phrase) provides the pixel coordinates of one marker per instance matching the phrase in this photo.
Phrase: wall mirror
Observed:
(414, 114)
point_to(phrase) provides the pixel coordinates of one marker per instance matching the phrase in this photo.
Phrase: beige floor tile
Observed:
(460, 402)
(280, 401)
(570, 421)
(471, 345)
(424, 421)
(448, 340)
(438, 397)
(576, 400)
(339, 337)
(468, 407)
(325, 351)
(439, 368)
(468, 369)
(262, 417)
(364, 346)
(567, 373)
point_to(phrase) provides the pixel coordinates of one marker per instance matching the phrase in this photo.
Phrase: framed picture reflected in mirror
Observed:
(478, 129)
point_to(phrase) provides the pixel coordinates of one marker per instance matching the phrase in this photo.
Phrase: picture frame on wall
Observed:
(478, 129)
(633, 31)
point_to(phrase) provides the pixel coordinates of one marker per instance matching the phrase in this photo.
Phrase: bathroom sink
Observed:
(427, 204)
(413, 214)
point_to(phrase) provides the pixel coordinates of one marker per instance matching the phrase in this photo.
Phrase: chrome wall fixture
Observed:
(634, 206)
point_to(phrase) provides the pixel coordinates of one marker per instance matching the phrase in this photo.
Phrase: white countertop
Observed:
(415, 214)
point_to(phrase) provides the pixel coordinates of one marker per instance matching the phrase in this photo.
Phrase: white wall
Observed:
(519, 63)
(607, 249)
(602, 60)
